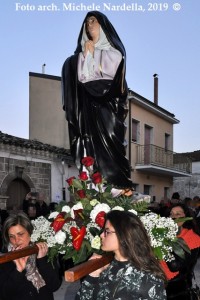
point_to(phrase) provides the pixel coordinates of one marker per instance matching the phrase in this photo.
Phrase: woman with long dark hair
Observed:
(134, 273)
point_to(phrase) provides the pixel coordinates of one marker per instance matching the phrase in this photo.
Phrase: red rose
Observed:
(100, 218)
(96, 178)
(83, 176)
(88, 161)
(70, 180)
(59, 221)
(81, 194)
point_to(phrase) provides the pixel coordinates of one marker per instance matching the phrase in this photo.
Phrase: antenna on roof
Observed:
(43, 68)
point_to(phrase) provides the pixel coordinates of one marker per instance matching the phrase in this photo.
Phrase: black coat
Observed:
(15, 286)
(178, 287)
(96, 113)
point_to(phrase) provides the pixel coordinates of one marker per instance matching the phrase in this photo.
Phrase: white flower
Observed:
(98, 208)
(94, 202)
(133, 211)
(42, 231)
(96, 242)
(60, 237)
(68, 225)
(53, 215)
(66, 208)
(76, 207)
(118, 208)
(89, 235)
(160, 230)
(147, 199)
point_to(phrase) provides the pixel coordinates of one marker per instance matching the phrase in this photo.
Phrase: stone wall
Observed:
(187, 187)
(30, 165)
(36, 174)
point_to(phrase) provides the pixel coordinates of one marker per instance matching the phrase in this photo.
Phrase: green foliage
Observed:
(158, 252)
(180, 248)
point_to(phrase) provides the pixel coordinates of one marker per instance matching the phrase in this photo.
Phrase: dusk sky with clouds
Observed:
(160, 37)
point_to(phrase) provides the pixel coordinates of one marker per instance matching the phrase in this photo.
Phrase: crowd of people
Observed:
(34, 205)
(193, 204)
(133, 271)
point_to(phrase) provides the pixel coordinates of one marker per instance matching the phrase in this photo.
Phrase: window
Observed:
(166, 193)
(167, 141)
(148, 135)
(135, 131)
(136, 187)
(147, 189)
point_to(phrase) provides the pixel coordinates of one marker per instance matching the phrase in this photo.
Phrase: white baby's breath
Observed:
(161, 231)
(42, 231)
(68, 225)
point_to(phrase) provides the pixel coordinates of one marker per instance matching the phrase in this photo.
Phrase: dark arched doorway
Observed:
(17, 190)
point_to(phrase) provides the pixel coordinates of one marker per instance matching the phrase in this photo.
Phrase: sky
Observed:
(160, 37)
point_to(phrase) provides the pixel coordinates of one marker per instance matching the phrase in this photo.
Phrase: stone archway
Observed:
(15, 187)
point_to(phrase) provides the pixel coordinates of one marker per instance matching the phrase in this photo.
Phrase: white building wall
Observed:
(60, 173)
(196, 167)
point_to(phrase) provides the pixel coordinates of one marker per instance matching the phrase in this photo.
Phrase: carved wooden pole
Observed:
(87, 267)
(72, 274)
(5, 257)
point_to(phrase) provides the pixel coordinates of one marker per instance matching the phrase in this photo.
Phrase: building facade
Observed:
(30, 165)
(47, 121)
(151, 148)
(43, 162)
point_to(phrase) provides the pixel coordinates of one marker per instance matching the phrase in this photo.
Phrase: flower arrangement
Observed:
(74, 229)
(162, 232)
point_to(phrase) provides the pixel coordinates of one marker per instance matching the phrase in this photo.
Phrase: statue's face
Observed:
(93, 27)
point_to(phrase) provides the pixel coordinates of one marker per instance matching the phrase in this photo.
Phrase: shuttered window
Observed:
(135, 130)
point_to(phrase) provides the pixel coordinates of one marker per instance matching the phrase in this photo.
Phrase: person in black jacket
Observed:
(95, 99)
(180, 270)
(30, 277)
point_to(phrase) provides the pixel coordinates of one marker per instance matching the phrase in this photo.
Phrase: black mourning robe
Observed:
(96, 112)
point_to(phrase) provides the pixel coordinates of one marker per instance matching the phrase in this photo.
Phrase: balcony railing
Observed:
(157, 156)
